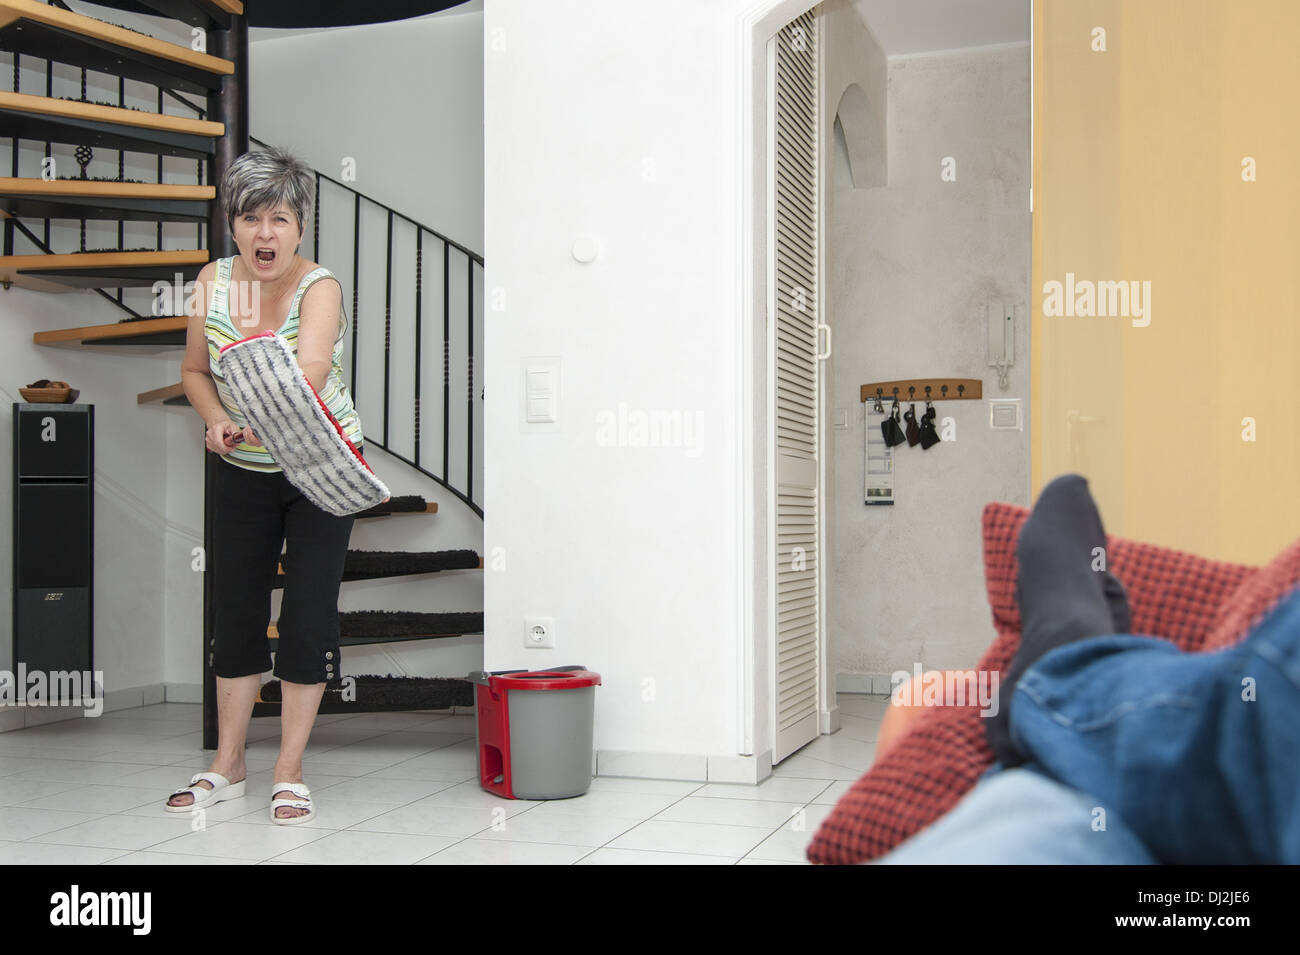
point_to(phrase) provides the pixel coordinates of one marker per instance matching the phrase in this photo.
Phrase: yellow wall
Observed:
(1138, 176)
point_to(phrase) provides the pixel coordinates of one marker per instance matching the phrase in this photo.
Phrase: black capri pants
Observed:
(255, 513)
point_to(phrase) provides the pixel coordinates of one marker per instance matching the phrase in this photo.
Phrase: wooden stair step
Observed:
(358, 629)
(368, 564)
(51, 33)
(64, 271)
(110, 127)
(168, 395)
(168, 331)
(92, 199)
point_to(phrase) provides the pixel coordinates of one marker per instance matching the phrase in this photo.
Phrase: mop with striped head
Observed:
(292, 422)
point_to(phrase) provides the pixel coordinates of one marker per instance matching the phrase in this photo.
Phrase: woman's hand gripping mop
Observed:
(289, 418)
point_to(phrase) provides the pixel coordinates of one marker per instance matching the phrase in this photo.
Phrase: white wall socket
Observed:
(539, 632)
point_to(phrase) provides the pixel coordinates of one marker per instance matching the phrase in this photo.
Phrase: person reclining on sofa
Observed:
(1116, 748)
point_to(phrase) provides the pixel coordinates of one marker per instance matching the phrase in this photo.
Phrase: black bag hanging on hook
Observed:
(891, 429)
(929, 437)
(913, 429)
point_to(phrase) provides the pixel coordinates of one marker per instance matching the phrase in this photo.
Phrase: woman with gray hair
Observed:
(267, 286)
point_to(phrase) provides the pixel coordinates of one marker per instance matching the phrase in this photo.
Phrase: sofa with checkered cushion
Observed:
(1196, 603)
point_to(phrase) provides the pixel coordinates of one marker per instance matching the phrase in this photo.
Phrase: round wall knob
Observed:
(585, 248)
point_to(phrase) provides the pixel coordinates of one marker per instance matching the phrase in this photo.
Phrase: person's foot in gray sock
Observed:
(1062, 591)
(1117, 600)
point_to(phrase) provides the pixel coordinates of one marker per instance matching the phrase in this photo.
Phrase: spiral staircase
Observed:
(214, 68)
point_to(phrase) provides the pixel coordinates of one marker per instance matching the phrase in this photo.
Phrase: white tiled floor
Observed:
(393, 788)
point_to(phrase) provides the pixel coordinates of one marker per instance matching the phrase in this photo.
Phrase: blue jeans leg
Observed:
(1198, 752)
(1019, 816)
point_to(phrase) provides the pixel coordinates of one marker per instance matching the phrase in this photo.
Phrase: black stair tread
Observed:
(401, 504)
(371, 694)
(346, 641)
(394, 626)
(49, 32)
(373, 564)
(402, 638)
(376, 624)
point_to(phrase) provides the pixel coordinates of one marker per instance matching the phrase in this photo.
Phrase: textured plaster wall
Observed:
(912, 266)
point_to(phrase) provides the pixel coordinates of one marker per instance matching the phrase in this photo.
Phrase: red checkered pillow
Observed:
(1259, 594)
(1197, 603)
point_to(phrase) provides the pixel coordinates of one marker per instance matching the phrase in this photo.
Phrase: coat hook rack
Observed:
(949, 389)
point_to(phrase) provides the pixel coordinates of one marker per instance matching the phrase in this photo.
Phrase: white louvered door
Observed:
(794, 308)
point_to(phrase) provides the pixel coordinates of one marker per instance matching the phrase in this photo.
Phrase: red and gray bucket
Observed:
(535, 731)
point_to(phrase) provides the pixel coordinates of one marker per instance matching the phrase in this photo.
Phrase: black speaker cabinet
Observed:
(54, 457)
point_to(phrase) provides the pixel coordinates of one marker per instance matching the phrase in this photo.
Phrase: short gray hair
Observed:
(264, 178)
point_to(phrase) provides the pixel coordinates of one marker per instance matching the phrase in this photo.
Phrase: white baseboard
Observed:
(829, 720)
(741, 769)
(184, 692)
(692, 767)
(868, 684)
(21, 717)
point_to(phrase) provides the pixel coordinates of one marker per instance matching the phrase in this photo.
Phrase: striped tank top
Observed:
(220, 331)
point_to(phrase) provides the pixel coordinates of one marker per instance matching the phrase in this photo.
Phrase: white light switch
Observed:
(541, 390)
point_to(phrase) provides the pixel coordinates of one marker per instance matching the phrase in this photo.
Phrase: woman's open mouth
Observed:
(265, 257)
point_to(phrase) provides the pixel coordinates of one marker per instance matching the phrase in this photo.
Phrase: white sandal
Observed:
(303, 802)
(222, 788)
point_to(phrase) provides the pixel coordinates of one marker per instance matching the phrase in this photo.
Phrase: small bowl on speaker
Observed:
(49, 392)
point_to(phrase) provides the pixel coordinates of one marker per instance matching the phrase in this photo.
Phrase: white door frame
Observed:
(754, 29)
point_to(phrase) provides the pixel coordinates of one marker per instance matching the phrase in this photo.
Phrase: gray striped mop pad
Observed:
(289, 418)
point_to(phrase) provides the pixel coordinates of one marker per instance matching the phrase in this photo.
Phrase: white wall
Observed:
(617, 121)
(913, 265)
(404, 100)
(857, 90)
(183, 609)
